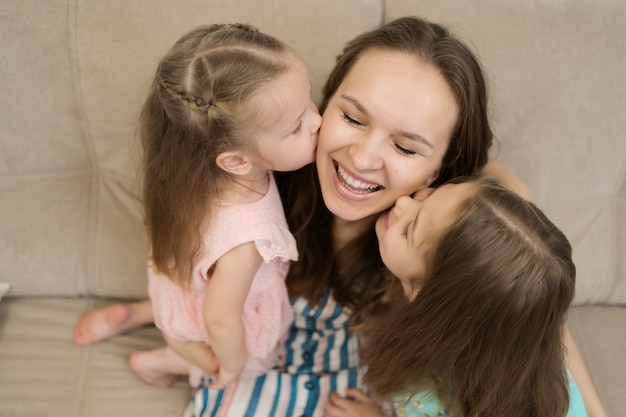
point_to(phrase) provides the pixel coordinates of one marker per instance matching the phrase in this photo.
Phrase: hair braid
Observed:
(195, 103)
(202, 103)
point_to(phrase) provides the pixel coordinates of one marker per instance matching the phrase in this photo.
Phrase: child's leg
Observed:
(103, 323)
(159, 367)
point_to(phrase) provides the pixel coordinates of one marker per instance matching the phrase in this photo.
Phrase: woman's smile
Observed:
(384, 133)
(353, 183)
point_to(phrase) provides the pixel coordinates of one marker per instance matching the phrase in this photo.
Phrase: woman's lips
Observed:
(354, 184)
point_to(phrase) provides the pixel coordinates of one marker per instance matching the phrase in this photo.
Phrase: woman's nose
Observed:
(366, 153)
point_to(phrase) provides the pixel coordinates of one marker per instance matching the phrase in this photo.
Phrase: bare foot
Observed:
(103, 323)
(159, 367)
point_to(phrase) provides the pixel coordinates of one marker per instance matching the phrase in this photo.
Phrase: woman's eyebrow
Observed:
(355, 103)
(418, 138)
(413, 136)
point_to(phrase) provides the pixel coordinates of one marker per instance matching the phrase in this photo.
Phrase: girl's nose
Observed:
(317, 118)
(421, 195)
(366, 153)
(404, 205)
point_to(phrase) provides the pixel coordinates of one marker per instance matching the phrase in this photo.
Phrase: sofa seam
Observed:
(87, 136)
(72, 19)
(59, 173)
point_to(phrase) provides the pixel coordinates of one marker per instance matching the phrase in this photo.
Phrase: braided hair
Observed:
(201, 103)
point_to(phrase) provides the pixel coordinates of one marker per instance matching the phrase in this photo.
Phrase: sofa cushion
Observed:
(45, 374)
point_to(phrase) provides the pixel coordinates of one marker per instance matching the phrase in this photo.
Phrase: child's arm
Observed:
(198, 354)
(223, 306)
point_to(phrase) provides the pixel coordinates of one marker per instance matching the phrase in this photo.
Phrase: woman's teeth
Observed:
(355, 185)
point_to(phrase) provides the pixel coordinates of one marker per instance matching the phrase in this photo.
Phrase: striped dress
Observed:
(321, 357)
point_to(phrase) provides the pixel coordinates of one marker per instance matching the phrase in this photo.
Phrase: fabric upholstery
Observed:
(73, 75)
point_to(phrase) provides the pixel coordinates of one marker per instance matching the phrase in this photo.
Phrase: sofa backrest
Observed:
(558, 98)
(73, 76)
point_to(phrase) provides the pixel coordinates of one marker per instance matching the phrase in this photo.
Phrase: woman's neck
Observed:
(345, 231)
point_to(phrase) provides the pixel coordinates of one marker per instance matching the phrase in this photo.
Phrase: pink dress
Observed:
(267, 313)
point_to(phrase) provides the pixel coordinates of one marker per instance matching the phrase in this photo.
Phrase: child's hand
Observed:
(197, 353)
(223, 378)
(359, 405)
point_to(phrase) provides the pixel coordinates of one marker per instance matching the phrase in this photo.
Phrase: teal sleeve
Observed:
(576, 405)
(424, 404)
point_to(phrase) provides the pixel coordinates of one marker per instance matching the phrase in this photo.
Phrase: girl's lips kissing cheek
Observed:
(351, 186)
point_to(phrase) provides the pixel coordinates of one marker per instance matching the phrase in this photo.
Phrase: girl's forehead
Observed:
(283, 99)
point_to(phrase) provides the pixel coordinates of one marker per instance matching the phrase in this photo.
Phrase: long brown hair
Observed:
(199, 106)
(354, 274)
(486, 327)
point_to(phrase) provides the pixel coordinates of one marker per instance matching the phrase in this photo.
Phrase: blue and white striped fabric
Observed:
(321, 357)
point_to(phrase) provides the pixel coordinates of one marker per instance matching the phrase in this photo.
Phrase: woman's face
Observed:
(405, 231)
(384, 133)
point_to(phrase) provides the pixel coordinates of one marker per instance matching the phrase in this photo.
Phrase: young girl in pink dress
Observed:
(227, 107)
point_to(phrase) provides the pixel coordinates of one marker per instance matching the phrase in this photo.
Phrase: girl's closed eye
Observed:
(297, 129)
(405, 231)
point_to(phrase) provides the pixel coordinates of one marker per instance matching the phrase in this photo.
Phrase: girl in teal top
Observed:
(488, 280)
(426, 404)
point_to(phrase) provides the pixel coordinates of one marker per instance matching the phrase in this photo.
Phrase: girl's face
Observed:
(291, 120)
(404, 232)
(384, 133)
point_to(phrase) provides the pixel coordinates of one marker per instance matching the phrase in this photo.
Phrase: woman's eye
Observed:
(350, 120)
(404, 150)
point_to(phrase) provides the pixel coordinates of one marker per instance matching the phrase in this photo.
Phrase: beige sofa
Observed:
(72, 78)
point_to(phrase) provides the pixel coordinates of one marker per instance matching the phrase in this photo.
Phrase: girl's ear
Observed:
(234, 162)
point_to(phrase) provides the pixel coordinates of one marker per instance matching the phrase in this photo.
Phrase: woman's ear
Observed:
(234, 162)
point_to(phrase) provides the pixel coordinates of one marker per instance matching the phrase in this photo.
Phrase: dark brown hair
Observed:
(486, 327)
(433, 45)
(201, 104)
(354, 274)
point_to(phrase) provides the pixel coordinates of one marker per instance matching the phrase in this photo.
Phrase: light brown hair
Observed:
(355, 273)
(486, 327)
(200, 105)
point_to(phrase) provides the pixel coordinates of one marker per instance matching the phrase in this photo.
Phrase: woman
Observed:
(405, 108)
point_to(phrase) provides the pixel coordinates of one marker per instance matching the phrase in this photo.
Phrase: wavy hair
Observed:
(201, 104)
(355, 273)
(486, 327)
